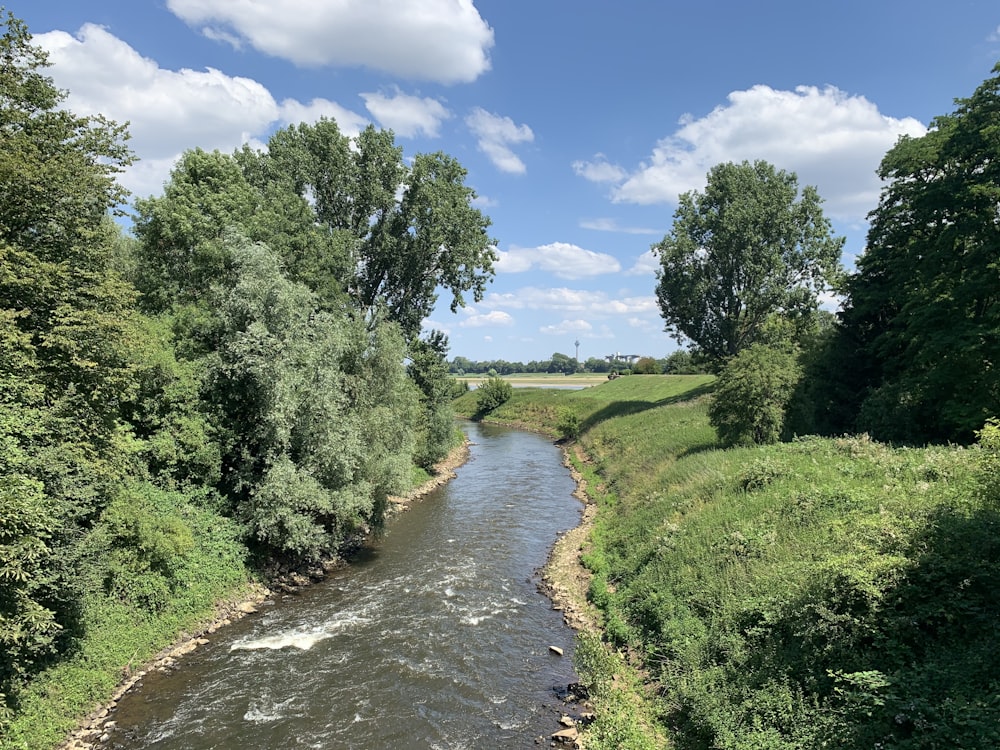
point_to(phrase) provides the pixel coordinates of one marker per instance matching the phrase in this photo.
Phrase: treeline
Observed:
(240, 379)
(912, 355)
(677, 363)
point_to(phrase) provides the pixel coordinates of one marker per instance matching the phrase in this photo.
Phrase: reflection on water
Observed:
(438, 638)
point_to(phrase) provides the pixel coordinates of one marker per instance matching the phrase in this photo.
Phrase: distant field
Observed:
(542, 380)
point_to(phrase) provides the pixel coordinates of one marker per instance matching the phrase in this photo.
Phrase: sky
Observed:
(580, 123)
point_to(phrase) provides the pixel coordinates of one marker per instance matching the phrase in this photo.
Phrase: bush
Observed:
(569, 426)
(492, 393)
(752, 396)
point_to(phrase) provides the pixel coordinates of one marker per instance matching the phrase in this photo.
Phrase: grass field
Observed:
(832, 593)
(543, 380)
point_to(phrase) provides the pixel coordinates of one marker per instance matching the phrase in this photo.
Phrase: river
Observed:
(436, 637)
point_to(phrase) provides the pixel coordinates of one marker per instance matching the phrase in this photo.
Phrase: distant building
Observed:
(618, 357)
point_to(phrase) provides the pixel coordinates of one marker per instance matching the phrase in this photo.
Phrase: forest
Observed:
(236, 379)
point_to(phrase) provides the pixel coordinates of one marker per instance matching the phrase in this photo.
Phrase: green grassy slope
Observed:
(823, 593)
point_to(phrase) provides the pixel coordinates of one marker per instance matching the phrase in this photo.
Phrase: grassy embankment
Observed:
(823, 593)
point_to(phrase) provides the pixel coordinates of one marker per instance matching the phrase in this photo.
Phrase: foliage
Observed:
(493, 392)
(746, 249)
(823, 592)
(315, 411)
(922, 307)
(67, 326)
(989, 462)
(408, 229)
(646, 366)
(428, 369)
(569, 426)
(753, 394)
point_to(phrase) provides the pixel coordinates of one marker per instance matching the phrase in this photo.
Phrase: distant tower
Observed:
(578, 351)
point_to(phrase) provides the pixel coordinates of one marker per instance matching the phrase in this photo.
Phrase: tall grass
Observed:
(821, 593)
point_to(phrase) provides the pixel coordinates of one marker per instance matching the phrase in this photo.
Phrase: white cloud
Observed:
(611, 225)
(560, 258)
(437, 40)
(595, 304)
(492, 318)
(645, 264)
(169, 111)
(495, 134)
(600, 170)
(406, 115)
(828, 138)
(567, 327)
(350, 123)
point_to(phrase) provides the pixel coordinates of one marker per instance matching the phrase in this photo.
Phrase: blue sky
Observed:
(579, 122)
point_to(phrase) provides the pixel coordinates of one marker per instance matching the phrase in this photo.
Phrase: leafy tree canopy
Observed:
(747, 248)
(924, 307)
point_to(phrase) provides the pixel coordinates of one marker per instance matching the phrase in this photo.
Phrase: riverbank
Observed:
(94, 728)
(565, 579)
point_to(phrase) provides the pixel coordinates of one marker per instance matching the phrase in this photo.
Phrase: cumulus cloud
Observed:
(169, 111)
(492, 318)
(646, 264)
(560, 258)
(596, 304)
(406, 115)
(567, 327)
(600, 170)
(349, 122)
(436, 40)
(611, 225)
(495, 135)
(828, 138)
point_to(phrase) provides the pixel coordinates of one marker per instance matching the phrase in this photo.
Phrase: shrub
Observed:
(752, 395)
(569, 426)
(492, 393)
(989, 461)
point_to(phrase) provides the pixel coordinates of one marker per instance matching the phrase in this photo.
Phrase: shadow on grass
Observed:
(625, 408)
(911, 666)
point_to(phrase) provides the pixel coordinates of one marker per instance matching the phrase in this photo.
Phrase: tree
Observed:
(492, 393)
(753, 393)
(646, 366)
(923, 308)
(410, 230)
(66, 332)
(563, 363)
(747, 248)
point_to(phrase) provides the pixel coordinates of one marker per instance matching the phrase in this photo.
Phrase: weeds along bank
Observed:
(821, 593)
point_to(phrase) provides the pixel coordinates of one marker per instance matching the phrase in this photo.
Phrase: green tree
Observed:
(747, 248)
(753, 393)
(646, 366)
(67, 325)
(315, 411)
(923, 308)
(562, 363)
(492, 393)
(410, 230)
(428, 369)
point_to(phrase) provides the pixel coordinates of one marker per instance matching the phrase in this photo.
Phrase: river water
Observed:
(435, 638)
